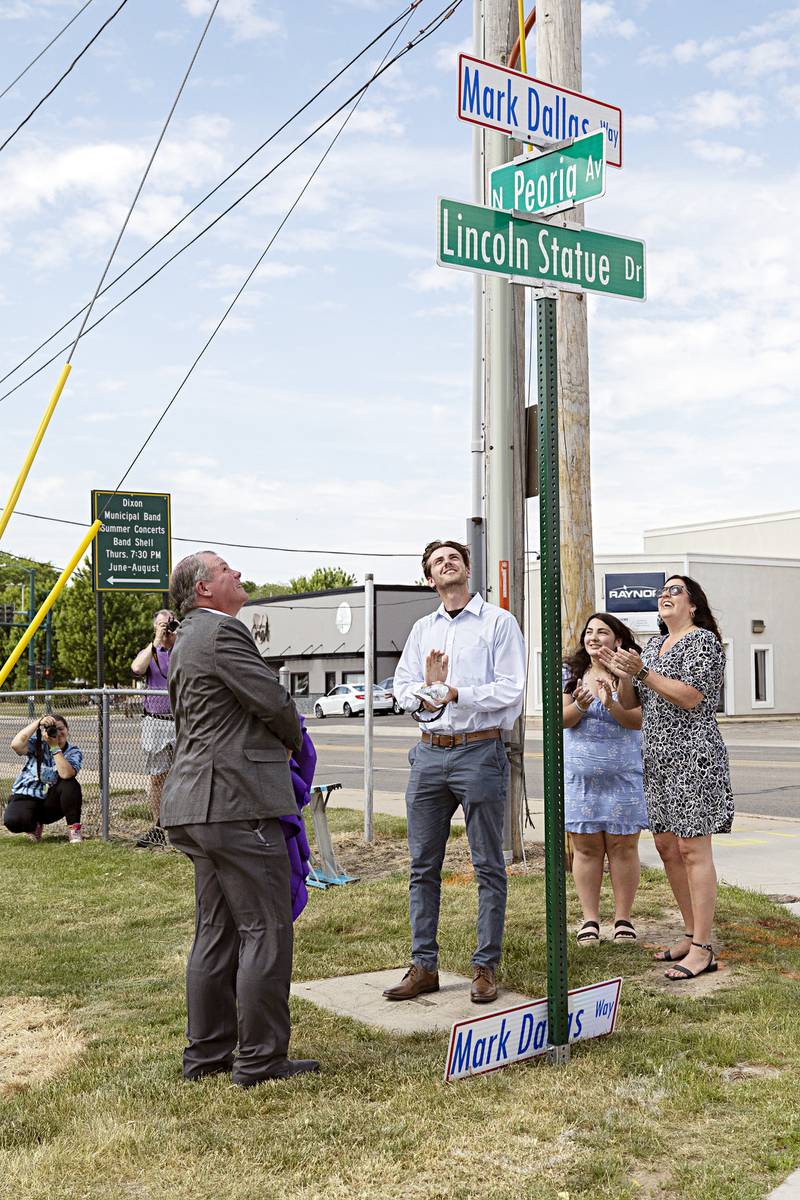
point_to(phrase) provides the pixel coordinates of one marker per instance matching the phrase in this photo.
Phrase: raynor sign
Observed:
(532, 110)
(474, 238)
(132, 551)
(500, 1038)
(552, 182)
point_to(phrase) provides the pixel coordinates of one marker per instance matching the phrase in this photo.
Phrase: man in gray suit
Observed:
(236, 728)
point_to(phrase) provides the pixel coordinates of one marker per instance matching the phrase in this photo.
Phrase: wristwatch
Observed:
(642, 675)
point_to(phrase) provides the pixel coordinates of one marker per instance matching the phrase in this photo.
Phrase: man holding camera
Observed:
(158, 725)
(46, 788)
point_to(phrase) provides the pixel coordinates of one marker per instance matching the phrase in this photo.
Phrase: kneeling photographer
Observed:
(46, 788)
(158, 724)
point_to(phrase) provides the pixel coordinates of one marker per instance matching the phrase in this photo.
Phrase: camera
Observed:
(173, 626)
(48, 725)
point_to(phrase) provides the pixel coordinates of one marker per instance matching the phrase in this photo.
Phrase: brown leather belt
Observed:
(449, 741)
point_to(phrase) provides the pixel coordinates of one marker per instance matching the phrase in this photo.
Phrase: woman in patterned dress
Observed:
(687, 785)
(604, 805)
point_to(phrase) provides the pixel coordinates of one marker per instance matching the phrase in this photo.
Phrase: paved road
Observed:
(765, 760)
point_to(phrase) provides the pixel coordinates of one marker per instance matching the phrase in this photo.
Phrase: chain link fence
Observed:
(106, 725)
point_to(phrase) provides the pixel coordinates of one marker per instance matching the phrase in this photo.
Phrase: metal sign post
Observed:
(552, 739)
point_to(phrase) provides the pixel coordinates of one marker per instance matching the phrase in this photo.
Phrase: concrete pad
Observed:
(360, 997)
(788, 1190)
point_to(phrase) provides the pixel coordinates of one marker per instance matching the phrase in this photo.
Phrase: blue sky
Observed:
(333, 410)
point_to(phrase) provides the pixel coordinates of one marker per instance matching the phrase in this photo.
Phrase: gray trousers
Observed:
(474, 776)
(240, 964)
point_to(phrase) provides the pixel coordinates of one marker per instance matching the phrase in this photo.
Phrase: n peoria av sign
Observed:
(500, 1038)
(474, 238)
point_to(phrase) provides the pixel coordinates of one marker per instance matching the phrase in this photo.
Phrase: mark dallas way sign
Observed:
(532, 110)
(474, 238)
(131, 553)
(500, 1038)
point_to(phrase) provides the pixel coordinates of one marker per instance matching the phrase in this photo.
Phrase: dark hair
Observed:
(437, 545)
(703, 617)
(577, 663)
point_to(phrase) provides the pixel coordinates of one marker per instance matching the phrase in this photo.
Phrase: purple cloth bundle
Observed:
(301, 766)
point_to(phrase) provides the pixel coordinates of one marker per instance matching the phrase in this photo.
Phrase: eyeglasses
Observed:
(674, 589)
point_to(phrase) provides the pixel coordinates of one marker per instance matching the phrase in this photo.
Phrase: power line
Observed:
(61, 78)
(195, 541)
(425, 33)
(143, 180)
(52, 42)
(253, 270)
(190, 212)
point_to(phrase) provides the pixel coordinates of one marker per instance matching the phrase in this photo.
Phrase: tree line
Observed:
(128, 620)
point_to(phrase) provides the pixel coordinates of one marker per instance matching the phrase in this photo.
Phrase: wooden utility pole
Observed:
(558, 60)
(505, 442)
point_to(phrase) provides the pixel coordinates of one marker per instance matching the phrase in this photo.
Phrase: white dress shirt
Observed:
(486, 654)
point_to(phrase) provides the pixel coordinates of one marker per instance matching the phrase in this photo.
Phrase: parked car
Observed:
(349, 700)
(388, 686)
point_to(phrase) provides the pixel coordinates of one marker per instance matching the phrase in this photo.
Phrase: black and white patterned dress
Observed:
(687, 782)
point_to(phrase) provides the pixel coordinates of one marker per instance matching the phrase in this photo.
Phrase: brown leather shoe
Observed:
(415, 981)
(484, 985)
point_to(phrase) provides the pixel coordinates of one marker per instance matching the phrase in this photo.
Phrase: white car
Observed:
(348, 700)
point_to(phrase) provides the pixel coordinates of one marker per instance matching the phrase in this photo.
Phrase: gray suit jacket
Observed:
(234, 724)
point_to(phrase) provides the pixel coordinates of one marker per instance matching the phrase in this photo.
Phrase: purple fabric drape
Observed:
(301, 766)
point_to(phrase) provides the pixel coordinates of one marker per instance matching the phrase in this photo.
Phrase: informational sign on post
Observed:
(501, 1038)
(132, 552)
(475, 238)
(532, 110)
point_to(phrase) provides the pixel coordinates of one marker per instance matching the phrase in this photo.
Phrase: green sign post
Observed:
(132, 551)
(552, 182)
(474, 238)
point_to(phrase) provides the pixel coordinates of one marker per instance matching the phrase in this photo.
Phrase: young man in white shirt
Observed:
(477, 650)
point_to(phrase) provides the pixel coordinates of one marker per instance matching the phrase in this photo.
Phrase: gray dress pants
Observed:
(474, 776)
(240, 964)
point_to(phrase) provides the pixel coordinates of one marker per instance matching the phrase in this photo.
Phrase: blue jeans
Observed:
(474, 776)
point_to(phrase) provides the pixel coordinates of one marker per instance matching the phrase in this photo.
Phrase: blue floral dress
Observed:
(603, 790)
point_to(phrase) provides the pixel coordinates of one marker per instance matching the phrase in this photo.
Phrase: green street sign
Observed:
(132, 552)
(552, 182)
(474, 238)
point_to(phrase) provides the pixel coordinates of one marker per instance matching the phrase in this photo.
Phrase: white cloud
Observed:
(722, 110)
(791, 96)
(764, 58)
(243, 16)
(375, 122)
(600, 18)
(722, 154)
(641, 123)
(446, 57)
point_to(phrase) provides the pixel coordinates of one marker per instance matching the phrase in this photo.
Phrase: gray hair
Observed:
(162, 612)
(183, 581)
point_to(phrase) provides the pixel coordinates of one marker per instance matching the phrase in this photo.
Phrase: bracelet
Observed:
(580, 710)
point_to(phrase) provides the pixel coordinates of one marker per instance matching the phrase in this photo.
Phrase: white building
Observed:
(750, 570)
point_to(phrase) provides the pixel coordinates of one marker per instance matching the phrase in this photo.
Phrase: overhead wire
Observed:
(422, 36)
(52, 42)
(62, 77)
(191, 211)
(257, 264)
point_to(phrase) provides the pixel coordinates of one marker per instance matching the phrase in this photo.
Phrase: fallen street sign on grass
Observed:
(498, 1039)
(474, 238)
(552, 182)
(532, 110)
(132, 551)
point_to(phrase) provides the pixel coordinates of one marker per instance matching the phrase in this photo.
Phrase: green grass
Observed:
(102, 934)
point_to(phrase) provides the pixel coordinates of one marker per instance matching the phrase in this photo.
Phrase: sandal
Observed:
(588, 932)
(685, 973)
(668, 956)
(624, 932)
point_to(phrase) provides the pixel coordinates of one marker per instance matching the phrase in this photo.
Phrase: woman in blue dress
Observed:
(603, 795)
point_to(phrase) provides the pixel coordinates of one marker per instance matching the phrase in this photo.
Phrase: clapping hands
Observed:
(436, 667)
(620, 662)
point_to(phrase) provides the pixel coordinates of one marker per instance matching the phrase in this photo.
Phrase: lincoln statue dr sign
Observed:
(474, 238)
